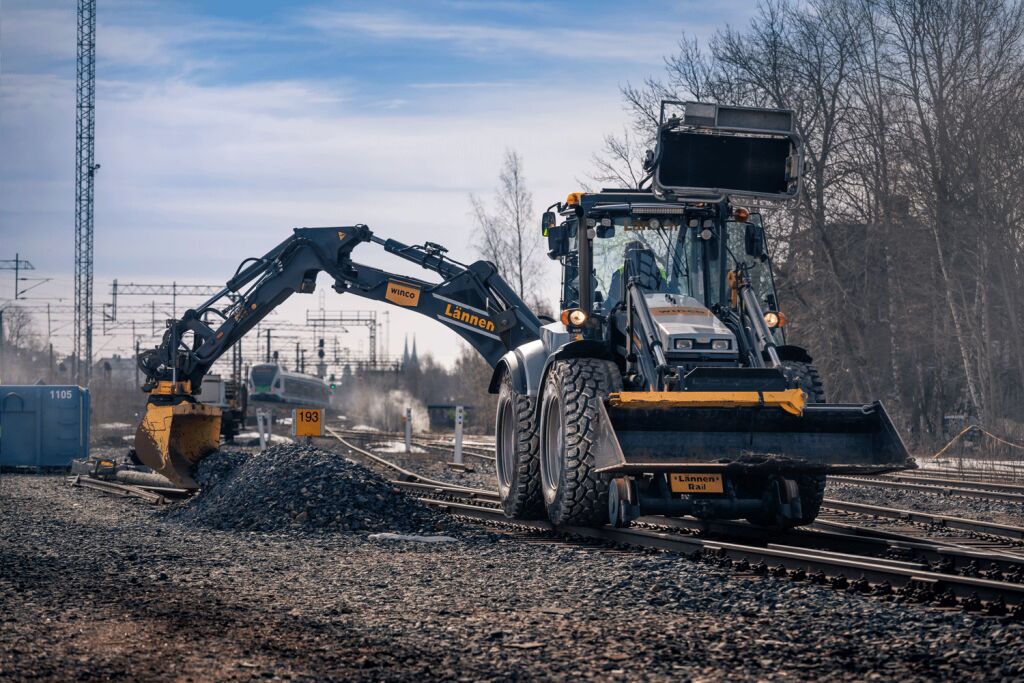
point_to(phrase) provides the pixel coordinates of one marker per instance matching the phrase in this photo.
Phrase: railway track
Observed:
(474, 449)
(1004, 475)
(853, 559)
(956, 489)
(913, 481)
(943, 482)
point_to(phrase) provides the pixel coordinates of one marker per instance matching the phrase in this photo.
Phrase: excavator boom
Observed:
(472, 300)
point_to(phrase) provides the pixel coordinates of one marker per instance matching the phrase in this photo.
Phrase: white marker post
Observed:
(408, 430)
(458, 434)
(263, 428)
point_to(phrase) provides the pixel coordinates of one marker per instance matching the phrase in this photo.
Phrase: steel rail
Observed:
(449, 447)
(408, 475)
(471, 450)
(929, 488)
(959, 523)
(1015, 473)
(122, 490)
(846, 538)
(850, 567)
(955, 483)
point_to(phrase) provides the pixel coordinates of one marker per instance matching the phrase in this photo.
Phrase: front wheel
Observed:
(574, 494)
(517, 464)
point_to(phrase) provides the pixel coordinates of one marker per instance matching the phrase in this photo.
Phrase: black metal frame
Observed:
(473, 301)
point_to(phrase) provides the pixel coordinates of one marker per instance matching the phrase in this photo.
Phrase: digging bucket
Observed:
(172, 438)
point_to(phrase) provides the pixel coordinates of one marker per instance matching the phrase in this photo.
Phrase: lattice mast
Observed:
(85, 171)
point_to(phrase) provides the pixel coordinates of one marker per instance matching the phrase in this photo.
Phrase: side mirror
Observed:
(753, 241)
(558, 241)
(547, 221)
(558, 235)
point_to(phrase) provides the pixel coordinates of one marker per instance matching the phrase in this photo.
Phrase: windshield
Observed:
(663, 252)
(675, 259)
(262, 375)
(759, 271)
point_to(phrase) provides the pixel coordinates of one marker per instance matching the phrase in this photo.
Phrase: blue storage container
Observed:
(43, 425)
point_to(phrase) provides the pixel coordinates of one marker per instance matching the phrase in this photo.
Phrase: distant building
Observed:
(442, 416)
(410, 361)
(115, 371)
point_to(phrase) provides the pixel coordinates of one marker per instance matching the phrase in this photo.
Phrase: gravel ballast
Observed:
(99, 588)
(299, 487)
(1002, 512)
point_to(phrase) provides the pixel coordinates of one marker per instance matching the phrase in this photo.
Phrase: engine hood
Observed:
(681, 317)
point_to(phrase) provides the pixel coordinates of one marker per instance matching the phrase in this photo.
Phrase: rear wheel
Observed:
(574, 494)
(811, 487)
(517, 464)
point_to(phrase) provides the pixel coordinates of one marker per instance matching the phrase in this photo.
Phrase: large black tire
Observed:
(811, 486)
(574, 494)
(517, 448)
(805, 376)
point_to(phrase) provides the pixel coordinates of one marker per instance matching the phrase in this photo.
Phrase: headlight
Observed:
(720, 344)
(774, 319)
(574, 317)
(683, 344)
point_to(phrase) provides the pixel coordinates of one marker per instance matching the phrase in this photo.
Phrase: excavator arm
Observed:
(472, 300)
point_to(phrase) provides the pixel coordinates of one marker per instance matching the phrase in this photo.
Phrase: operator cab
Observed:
(680, 255)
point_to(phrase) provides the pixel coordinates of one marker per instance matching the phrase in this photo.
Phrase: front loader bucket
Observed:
(173, 438)
(646, 437)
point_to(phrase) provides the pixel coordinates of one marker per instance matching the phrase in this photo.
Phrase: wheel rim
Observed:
(554, 445)
(506, 446)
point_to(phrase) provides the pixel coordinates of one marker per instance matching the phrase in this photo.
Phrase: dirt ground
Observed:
(98, 588)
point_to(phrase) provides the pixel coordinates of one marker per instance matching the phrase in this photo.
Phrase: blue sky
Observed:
(222, 125)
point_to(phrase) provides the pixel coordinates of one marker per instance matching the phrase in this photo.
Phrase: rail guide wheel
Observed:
(622, 506)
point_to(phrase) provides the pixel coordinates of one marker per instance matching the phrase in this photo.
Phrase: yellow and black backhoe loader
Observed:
(666, 386)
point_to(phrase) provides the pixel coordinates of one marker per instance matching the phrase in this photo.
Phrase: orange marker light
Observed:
(741, 214)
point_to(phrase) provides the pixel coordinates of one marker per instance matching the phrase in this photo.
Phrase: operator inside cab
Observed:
(643, 263)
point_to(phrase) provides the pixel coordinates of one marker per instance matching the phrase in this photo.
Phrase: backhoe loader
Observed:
(665, 387)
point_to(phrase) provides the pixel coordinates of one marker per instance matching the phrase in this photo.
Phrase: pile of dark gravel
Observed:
(303, 489)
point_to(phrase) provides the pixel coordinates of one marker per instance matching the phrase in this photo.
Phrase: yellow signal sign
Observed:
(308, 421)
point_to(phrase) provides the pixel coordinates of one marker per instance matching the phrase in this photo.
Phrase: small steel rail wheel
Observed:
(811, 486)
(621, 502)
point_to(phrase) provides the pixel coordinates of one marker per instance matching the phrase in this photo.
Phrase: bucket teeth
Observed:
(172, 438)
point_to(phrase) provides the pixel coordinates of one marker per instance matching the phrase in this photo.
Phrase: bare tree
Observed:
(508, 234)
(901, 257)
(621, 161)
(19, 328)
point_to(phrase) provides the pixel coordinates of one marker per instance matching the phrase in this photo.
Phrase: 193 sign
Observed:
(308, 422)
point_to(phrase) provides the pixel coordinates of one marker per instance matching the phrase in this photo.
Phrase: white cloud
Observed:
(552, 40)
(462, 84)
(195, 178)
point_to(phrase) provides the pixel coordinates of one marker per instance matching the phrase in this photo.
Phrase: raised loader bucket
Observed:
(768, 433)
(173, 438)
